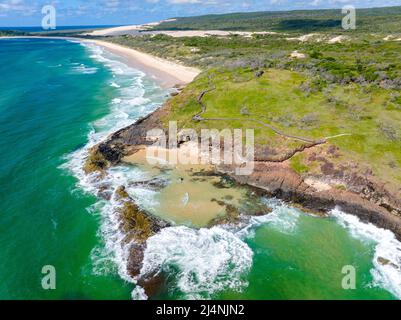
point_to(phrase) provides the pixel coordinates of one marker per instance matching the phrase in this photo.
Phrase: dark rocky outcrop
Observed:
(122, 143)
(136, 254)
(278, 180)
(138, 226)
(363, 197)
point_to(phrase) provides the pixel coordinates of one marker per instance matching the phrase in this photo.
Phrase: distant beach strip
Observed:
(166, 73)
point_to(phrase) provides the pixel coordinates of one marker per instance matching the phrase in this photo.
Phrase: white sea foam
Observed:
(386, 246)
(207, 260)
(139, 294)
(283, 218)
(132, 103)
(83, 69)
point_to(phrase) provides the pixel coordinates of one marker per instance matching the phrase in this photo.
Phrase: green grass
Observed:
(351, 88)
(297, 164)
(11, 33)
(276, 99)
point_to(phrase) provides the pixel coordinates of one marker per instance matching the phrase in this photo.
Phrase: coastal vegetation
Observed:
(369, 20)
(325, 108)
(12, 33)
(346, 92)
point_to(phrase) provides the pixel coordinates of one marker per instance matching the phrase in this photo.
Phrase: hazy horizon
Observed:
(76, 13)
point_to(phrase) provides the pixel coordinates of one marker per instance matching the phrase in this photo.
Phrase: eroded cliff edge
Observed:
(363, 196)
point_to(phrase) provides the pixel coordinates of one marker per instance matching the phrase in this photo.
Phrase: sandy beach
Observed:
(126, 29)
(166, 73)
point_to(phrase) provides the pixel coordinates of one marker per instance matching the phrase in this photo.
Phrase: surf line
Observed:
(177, 311)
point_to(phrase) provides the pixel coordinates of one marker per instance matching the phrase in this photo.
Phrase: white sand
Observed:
(209, 33)
(306, 37)
(338, 39)
(126, 29)
(168, 74)
(315, 37)
(145, 29)
(298, 55)
(391, 38)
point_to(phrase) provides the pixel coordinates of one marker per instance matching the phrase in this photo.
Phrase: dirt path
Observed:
(309, 142)
(198, 117)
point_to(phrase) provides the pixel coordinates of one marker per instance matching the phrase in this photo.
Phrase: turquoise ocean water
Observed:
(57, 98)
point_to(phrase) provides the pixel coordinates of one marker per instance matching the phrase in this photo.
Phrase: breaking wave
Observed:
(283, 218)
(84, 69)
(387, 272)
(136, 97)
(205, 261)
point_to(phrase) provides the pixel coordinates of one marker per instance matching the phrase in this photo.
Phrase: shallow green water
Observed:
(50, 94)
(306, 261)
(294, 256)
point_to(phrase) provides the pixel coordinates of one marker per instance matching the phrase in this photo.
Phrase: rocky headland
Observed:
(360, 195)
(356, 194)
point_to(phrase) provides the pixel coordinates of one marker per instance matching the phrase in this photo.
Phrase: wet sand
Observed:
(195, 196)
(168, 74)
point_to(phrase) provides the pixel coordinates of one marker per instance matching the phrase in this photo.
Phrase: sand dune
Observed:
(145, 29)
(125, 29)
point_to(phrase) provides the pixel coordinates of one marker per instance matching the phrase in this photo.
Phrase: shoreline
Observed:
(275, 181)
(364, 199)
(166, 73)
(282, 183)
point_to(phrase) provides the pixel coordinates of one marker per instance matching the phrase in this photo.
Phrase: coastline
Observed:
(371, 211)
(126, 209)
(165, 73)
(281, 182)
(364, 199)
